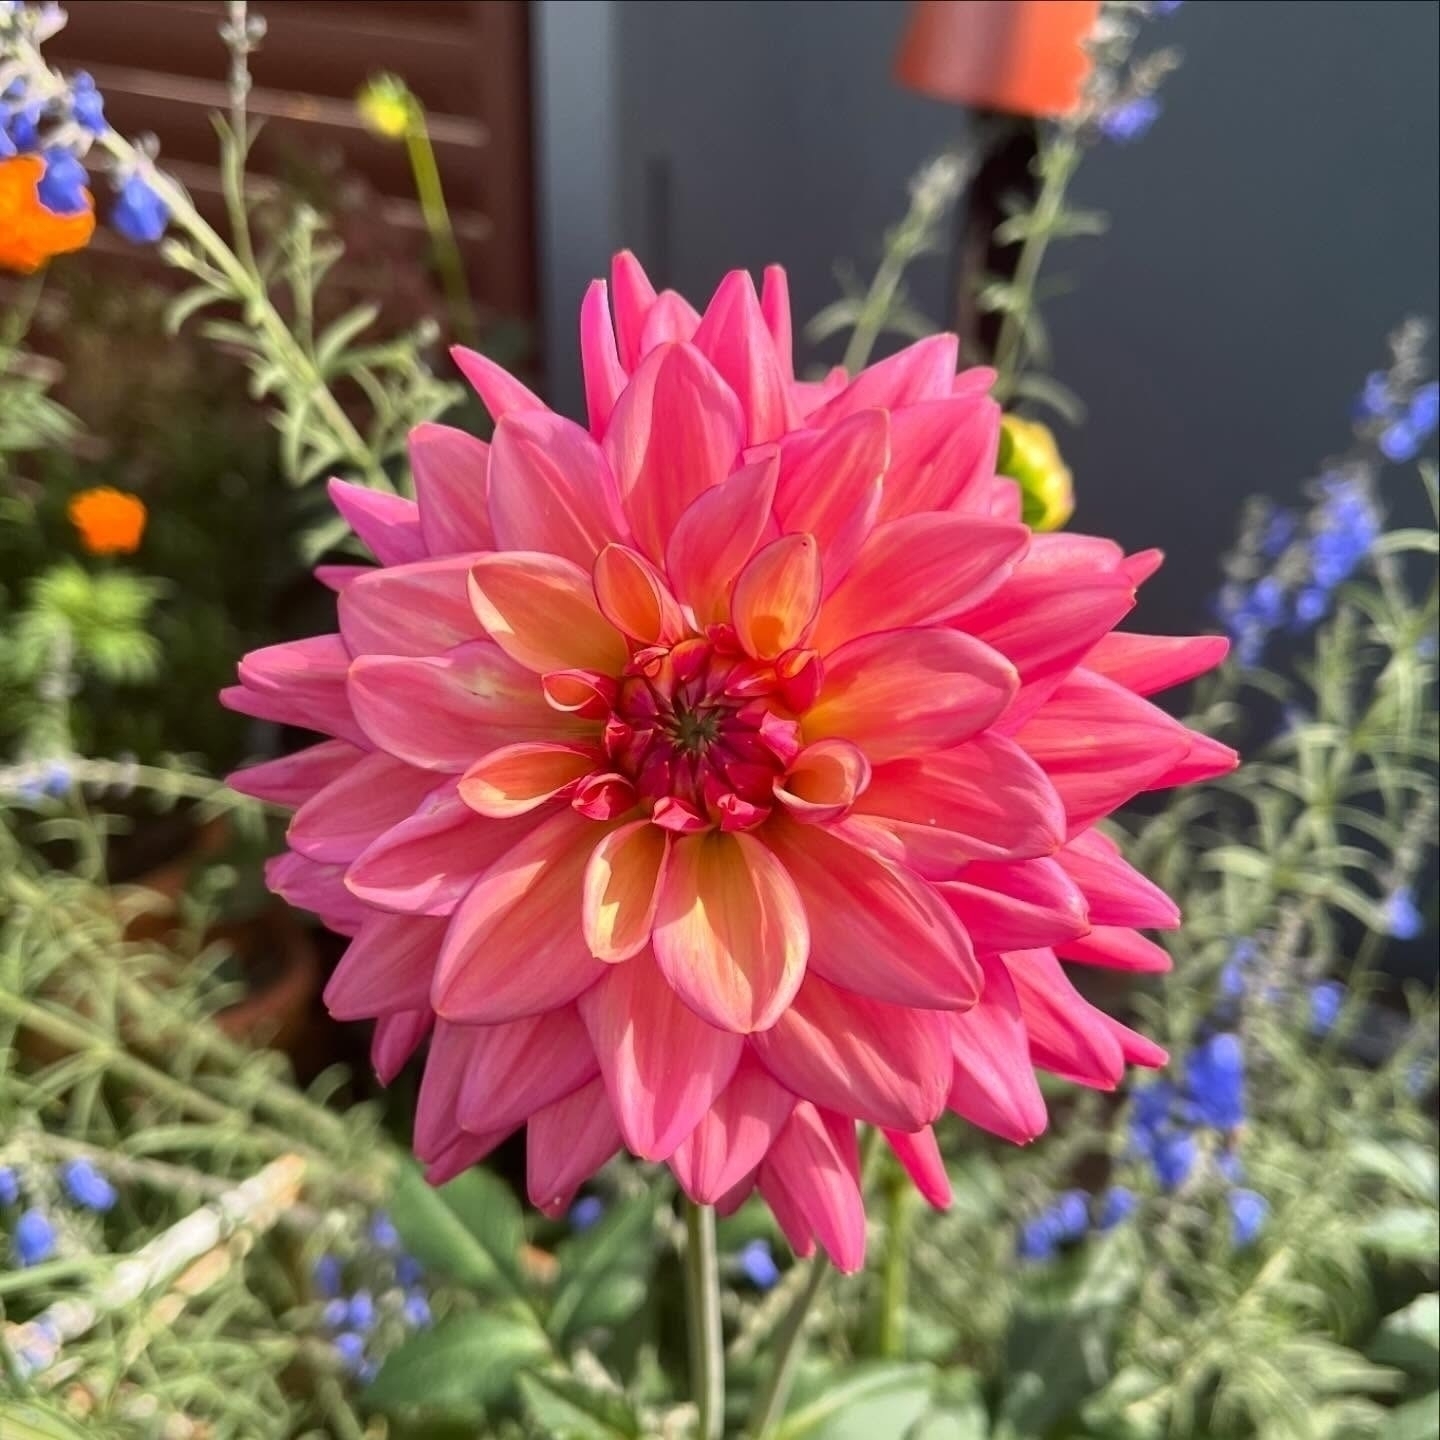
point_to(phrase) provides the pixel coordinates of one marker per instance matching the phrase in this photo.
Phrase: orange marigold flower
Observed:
(29, 232)
(110, 522)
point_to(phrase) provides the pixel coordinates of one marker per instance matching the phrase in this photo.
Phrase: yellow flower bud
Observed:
(1030, 457)
(387, 107)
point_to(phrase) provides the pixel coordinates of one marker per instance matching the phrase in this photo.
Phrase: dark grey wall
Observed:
(1277, 221)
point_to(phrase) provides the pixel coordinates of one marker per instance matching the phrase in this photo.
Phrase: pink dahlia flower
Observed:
(723, 774)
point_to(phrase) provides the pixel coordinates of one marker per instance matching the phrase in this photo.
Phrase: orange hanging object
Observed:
(1025, 57)
(29, 232)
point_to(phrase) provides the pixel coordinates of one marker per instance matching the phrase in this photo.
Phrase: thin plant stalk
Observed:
(436, 213)
(702, 1297)
(770, 1402)
(895, 1267)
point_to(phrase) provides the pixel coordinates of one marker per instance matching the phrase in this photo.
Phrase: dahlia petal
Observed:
(1068, 1036)
(875, 929)
(425, 865)
(566, 1143)
(806, 1163)
(1142, 565)
(1100, 745)
(1147, 663)
(823, 781)
(302, 683)
(386, 968)
(1017, 905)
(635, 597)
(919, 570)
(436, 1124)
(550, 489)
(812, 395)
(1138, 1049)
(663, 1065)
(777, 597)
(1206, 759)
(442, 712)
(993, 1080)
(677, 430)
(293, 779)
(632, 296)
(417, 609)
(983, 800)
(730, 932)
(1116, 948)
(717, 534)
(734, 1135)
(500, 391)
(732, 1200)
(672, 319)
(515, 1069)
(461, 1153)
(357, 807)
(452, 484)
(775, 307)
(339, 577)
(396, 1039)
(733, 336)
(540, 609)
(388, 524)
(910, 691)
(622, 889)
(787, 1212)
(604, 377)
(942, 453)
(920, 1155)
(885, 1064)
(1115, 892)
(922, 371)
(516, 779)
(515, 946)
(309, 885)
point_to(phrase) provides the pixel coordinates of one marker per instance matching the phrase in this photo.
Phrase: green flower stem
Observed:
(895, 1268)
(702, 1296)
(770, 1402)
(1058, 162)
(437, 221)
(46, 1273)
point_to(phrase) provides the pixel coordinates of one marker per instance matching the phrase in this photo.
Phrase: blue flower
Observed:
(24, 129)
(1072, 1214)
(1267, 602)
(1374, 401)
(1230, 1166)
(1117, 1205)
(408, 1270)
(1150, 1114)
(361, 1311)
(351, 1350)
(758, 1265)
(328, 1276)
(1038, 1237)
(62, 186)
(138, 213)
(1400, 441)
(1326, 998)
(1425, 408)
(416, 1311)
(1215, 1081)
(383, 1232)
(1402, 917)
(86, 1186)
(1310, 606)
(87, 105)
(1167, 7)
(1130, 119)
(34, 1238)
(9, 1186)
(586, 1211)
(1248, 1213)
(1173, 1158)
(1280, 530)
(1426, 647)
(335, 1313)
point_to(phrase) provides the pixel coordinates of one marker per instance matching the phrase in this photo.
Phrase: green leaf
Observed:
(1410, 1339)
(470, 1229)
(957, 1412)
(1044, 390)
(566, 1409)
(1413, 1421)
(464, 1363)
(1405, 1163)
(24, 1420)
(588, 1264)
(333, 342)
(1395, 542)
(874, 1401)
(1404, 1232)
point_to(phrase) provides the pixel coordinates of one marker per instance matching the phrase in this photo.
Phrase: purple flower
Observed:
(351, 1350)
(408, 1270)
(361, 1311)
(328, 1275)
(758, 1265)
(416, 1311)
(138, 213)
(1117, 1205)
(1215, 1082)
(585, 1212)
(62, 186)
(1402, 917)
(383, 1232)
(34, 1238)
(1326, 998)
(1248, 1213)
(87, 105)
(1173, 1158)
(1072, 1215)
(23, 128)
(9, 1186)
(1129, 120)
(1038, 1237)
(1400, 441)
(86, 1186)
(1310, 606)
